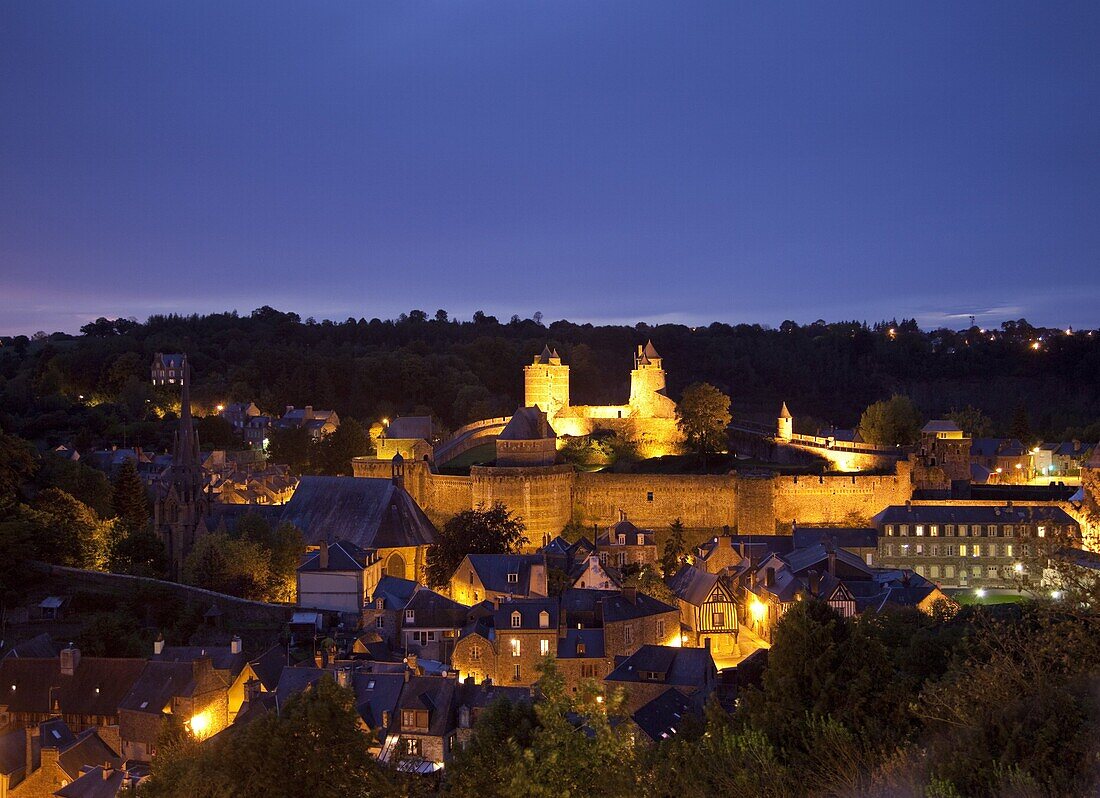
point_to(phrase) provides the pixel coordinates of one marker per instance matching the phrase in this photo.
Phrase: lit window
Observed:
(718, 619)
(515, 646)
(1042, 531)
(962, 549)
(544, 646)
(544, 620)
(517, 620)
(513, 579)
(622, 540)
(976, 550)
(918, 530)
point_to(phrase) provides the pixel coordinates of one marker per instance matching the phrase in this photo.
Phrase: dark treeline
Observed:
(462, 371)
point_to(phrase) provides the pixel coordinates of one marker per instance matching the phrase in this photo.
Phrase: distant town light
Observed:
(1018, 567)
(980, 592)
(1056, 594)
(1035, 345)
(220, 408)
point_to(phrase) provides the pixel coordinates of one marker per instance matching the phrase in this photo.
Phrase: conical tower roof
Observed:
(784, 412)
(650, 351)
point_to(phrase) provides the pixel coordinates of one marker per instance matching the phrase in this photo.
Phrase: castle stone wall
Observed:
(845, 500)
(541, 496)
(655, 500)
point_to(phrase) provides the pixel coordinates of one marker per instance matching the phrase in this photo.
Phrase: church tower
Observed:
(546, 383)
(784, 424)
(647, 381)
(182, 502)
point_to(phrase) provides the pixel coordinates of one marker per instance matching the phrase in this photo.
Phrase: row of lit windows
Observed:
(966, 530)
(973, 571)
(544, 647)
(951, 550)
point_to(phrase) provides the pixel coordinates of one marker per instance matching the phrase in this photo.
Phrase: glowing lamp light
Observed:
(385, 422)
(999, 470)
(219, 408)
(980, 592)
(1056, 594)
(200, 724)
(1018, 567)
(757, 609)
(1035, 345)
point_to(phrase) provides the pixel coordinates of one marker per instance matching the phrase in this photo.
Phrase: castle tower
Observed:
(784, 424)
(182, 502)
(647, 381)
(1090, 492)
(546, 383)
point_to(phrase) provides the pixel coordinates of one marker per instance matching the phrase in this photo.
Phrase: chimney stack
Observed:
(158, 645)
(343, 677)
(235, 645)
(832, 561)
(769, 577)
(70, 659)
(631, 594)
(622, 514)
(322, 554)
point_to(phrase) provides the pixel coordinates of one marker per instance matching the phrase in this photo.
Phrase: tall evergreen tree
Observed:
(675, 549)
(129, 499)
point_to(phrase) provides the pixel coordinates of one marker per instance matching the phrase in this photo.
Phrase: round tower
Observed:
(785, 424)
(646, 380)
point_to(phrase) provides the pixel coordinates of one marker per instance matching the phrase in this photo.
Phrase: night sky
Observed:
(597, 161)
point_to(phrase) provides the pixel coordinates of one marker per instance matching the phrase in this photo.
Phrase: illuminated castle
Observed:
(648, 418)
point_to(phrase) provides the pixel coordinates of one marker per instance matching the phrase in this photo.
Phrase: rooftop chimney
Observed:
(343, 677)
(235, 645)
(322, 554)
(769, 577)
(70, 659)
(631, 594)
(158, 645)
(832, 561)
(622, 514)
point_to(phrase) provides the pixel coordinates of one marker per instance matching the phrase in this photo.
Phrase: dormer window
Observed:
(414, 719)
(580, 649)
(380, 604)
(517, 620)
(513, 579)
(641, 540)
(544, 620)
(410, 616)
(622, 540)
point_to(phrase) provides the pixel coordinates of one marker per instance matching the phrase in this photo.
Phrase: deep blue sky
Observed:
(603, 161)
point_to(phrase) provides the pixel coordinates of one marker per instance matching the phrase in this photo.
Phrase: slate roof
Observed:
(841, 537)
(433, 693)
(529, 610)
(294, 680)
(394, 591)
(76, 694)
(343, 555)
(611, 537)
(418, 427)
(940, 425)
(55, 733)
(527, 424)
(800, 560)
(370, 513)
(650, 351)
(692, 584)
(683, 667)
(996, 447)
(972, 514)
(269, 666)
(39, 647)
(436, 611)
(662, 717)
(158, 684)
(87, 749)
(756, 546)
(784, 412)
(493, 570)
(92, 784)
(581, 604)
(376, 693)
(617, 607)
(221, 657)
(13, 751)
(592, 639)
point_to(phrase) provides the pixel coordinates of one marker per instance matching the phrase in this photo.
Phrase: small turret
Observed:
(785, 424)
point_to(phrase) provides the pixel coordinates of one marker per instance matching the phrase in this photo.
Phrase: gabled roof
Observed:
(39, 647)
(996, 447)
(88, 749)
(680, 667)
(493, 570)
(394, 591)
(269, 666)
(803, 559)
(692, 584)
(663, 717)
(410, 427)
(370, 513)
(973, 514)
(94, 784)
(624, 527)
(343, 555)
(296, 679)
(434, 693)
(376, 693)
(591, 639)
(433, 610)
(160, 682)
(529, 611)
(840, 537)
(940, 425)
(13, 751)
(527, 424)
(221, 657)
(97, 686)
(618, 607)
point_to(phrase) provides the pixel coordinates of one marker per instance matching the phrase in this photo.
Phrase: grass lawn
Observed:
(969, 596)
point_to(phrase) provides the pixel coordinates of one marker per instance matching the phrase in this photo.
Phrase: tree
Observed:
(1020, 428)
(139, 552)
(704, 416)
(217, 433)
(69, 531)
(675, 549)
(479, 531)
(314, 747)
(348, 441)
(292, 447)
(972, 421)
(892, 422)
(17, 465)
(483, 768)
(129, 499)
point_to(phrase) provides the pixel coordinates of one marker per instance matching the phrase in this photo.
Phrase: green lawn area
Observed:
(970, 596)
(485, 453)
